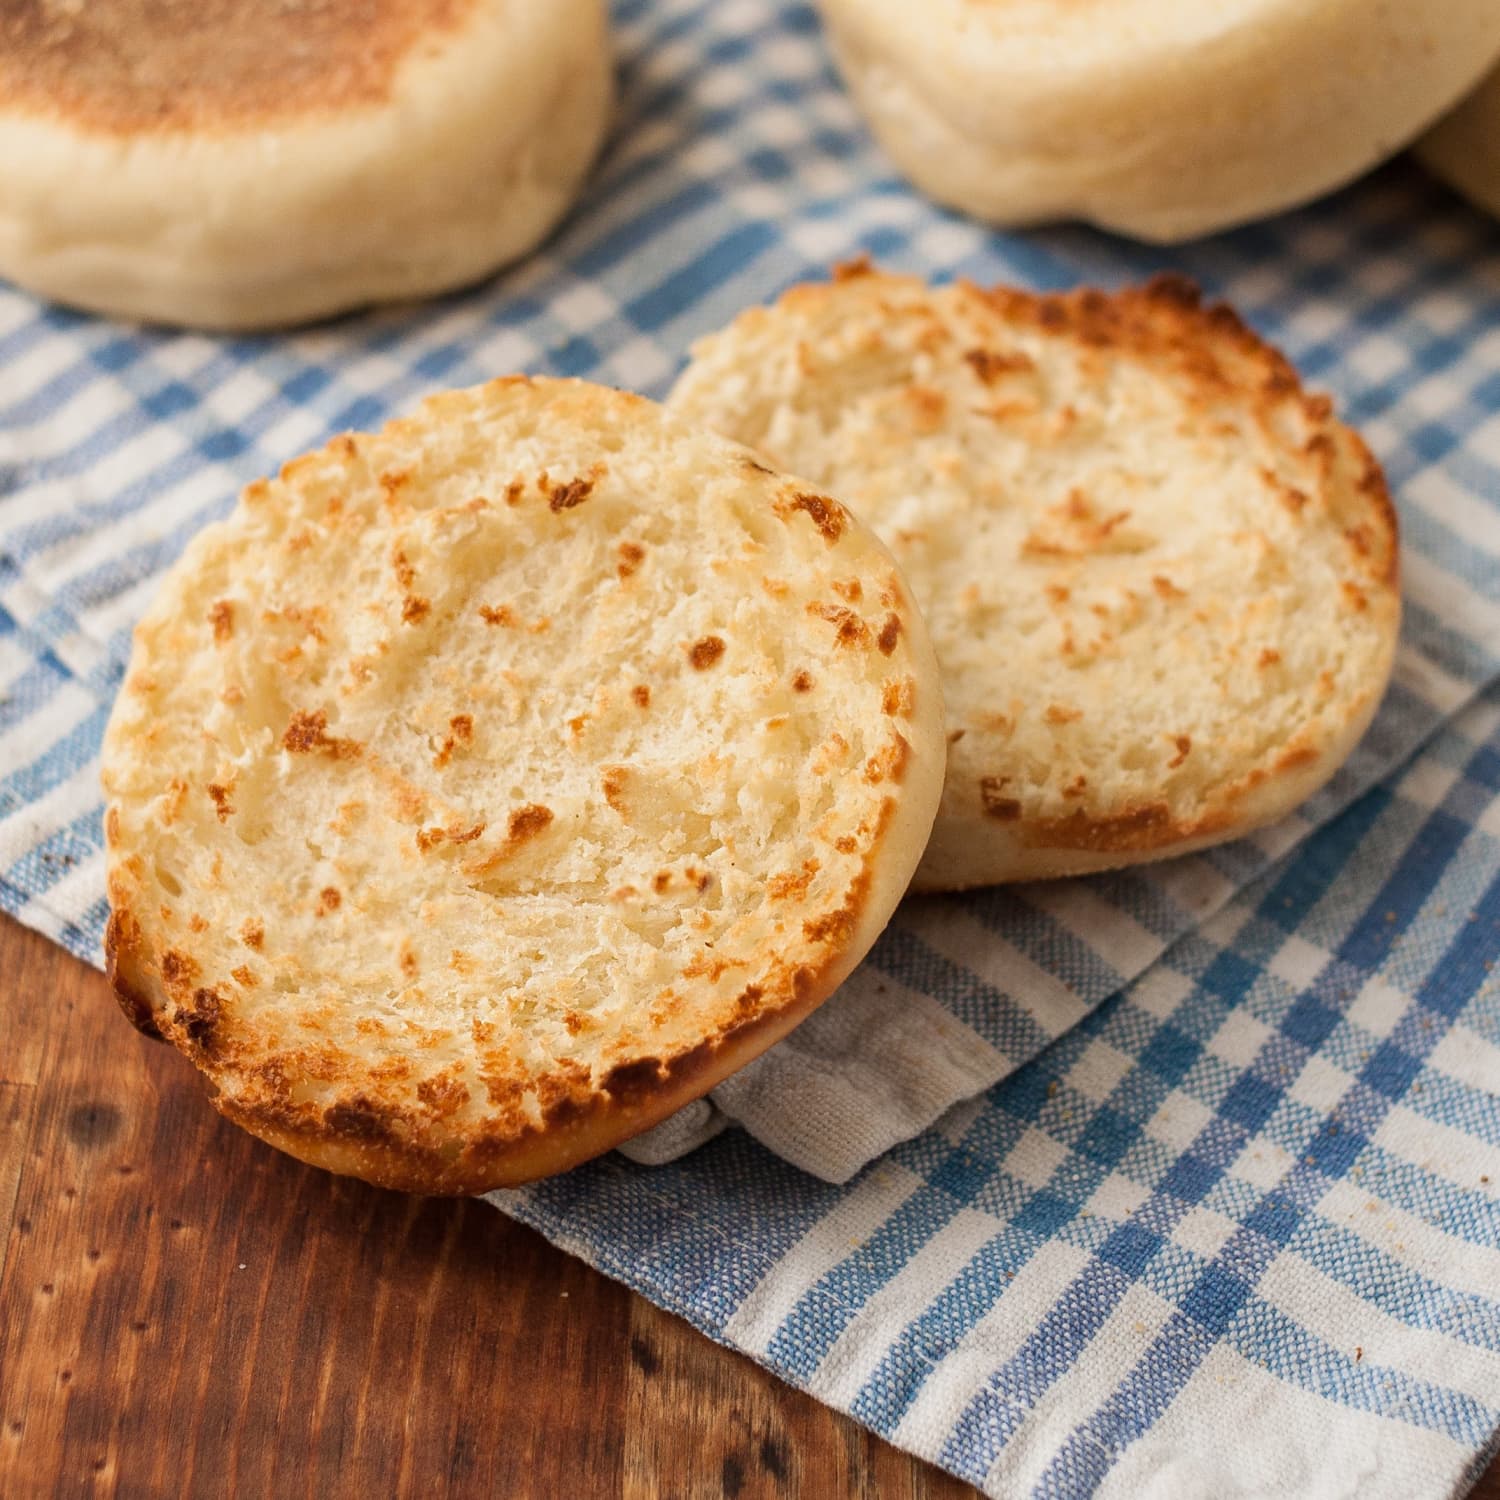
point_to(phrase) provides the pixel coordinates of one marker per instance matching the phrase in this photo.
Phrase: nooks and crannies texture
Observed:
(1161, 578)
(483, 789)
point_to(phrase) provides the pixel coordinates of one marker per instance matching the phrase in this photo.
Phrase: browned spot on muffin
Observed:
(1184, 746)
(178, 972)
(309, 731)
(890, 633)
(631, 555)
(989, 364)
(1062, 713)
(825, 513)
(430, 838)
(443, 1094)
(253, 934)
(852, 631)
(792, 885)
(641, 694)
(996, 804)
(613, 781)
(329, 900)
(244, 976)
(414, 609)
(460, 732)
(566, 496)
(889, 763)
(221, 617)
(526, 822)
(703, 654)
(496, 614)
(223, 807)
(849, 588)
(802, 682)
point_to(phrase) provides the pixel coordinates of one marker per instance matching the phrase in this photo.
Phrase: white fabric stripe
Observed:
(1422, 676)
(1469, 1059)
(851, 1221)
(1450, 599)
(1110, 1357)
(32, 739)
(1077, 906)
(1443, 498)
(76, 891)
(1348, 1322)
(1235, 1430)
(1192, 885)
(1408, 1240)
(992, 1341)
(966, 942)
(859, 1349)
(30, 825)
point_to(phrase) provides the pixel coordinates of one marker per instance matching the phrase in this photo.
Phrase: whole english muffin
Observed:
(233, 164)
(484, 789)
(1161, 579)
(1163, 119)
(1464, 148)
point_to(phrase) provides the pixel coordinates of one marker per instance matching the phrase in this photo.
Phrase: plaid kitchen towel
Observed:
(737, 167)
(1236, 1234)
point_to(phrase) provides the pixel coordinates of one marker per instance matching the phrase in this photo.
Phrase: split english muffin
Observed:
(231, 165)
(484, 789)
(1161, 578)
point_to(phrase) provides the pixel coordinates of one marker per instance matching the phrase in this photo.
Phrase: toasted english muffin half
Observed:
(1160, 577)
(1464, 148)
(229, 164)
(1162, 119)
(484, 789)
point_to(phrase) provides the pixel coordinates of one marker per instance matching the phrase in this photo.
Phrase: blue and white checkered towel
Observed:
(1184, 1181)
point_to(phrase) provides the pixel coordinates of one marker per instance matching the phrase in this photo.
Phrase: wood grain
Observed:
(184, 1312)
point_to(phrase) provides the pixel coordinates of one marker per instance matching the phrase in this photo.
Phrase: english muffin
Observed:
(484, 789)
(228, 164)
(1161, 578)
(1162, 119)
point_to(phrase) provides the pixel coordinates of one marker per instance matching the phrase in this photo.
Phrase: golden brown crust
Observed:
(375, 1138)
(374, 1133)
(132, 66)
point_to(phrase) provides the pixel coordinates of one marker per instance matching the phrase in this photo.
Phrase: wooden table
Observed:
(186, 1312)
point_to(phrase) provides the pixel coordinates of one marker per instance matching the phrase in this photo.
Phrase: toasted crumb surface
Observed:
(1161, 578)
(483, 789)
